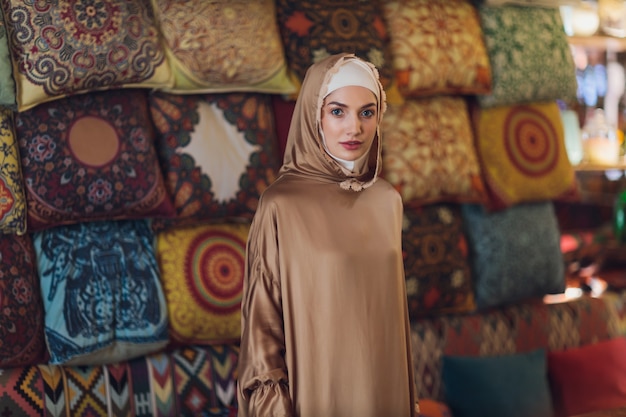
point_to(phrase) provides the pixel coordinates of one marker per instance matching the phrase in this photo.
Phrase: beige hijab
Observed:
(304, 152)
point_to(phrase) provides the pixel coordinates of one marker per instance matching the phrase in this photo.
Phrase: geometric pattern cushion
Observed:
(95, 160)
(214, 46)
(429, 153)
(437, 269)
(7, 85)
(444, 54)
(522, 153)
(22, 392)
(202, 274)
(529, 54)
(12, 198)
(218, 153)
(66, 47)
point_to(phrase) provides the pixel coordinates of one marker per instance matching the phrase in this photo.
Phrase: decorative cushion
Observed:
(589, 378)
(523, 156)
(214, 46)
(438, 278)
(516, 253)
(12, 199)
(432, 408)
(91, 157)
(7, 85)
(443, 54)
(101, 291)
(527, 67)
(218, 153)
(202, 271)
(428, 151)
(21, 321)
(513, 385)
(63, 47)
(283, 112)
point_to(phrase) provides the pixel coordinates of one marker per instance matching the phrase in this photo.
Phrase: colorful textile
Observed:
(7, 85)
(12, 198)
(22, 392)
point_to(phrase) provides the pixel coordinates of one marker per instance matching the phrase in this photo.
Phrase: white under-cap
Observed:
(353, 72)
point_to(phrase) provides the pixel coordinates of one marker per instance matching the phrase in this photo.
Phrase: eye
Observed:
(368, 113)
(336, 111)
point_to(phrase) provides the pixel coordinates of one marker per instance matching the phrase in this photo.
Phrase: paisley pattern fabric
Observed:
(443, 54)
(12, 198)
(428, 151)
(202, 273)
(523, 155)
(94, 160)
(527, 67)
(7, 85)
(516, 253)
(436, 263)
(214, 46)
(96, 281)
(68, 47)
(218, 153)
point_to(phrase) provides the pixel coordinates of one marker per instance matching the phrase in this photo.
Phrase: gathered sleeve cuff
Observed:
(268, 395)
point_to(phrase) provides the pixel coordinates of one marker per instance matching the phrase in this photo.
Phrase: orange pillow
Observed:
(432, 408)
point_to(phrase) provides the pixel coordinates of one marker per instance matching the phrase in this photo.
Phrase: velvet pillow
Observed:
(218, 153)
(428, 151)
(63, 47)
(516, 253)
(91, 157)
(12, 198)
(202, 271)
(529, 55)
(436, 264)
(443, 54)
(514, 385)
(101, 290)
(589, 378)
(214, 46)
(432, 408)
(7, 85)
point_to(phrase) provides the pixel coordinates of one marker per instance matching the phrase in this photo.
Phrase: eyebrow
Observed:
(337, 103)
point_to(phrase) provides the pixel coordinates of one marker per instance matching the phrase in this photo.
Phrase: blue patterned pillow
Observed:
(101, 291)
(515, 253)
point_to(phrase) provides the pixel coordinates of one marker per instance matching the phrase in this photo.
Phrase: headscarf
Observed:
(304, 153)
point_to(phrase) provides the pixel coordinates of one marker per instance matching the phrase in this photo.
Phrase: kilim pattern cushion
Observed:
(514, 328)
(224, 46)
(436, 264)
(94, 160)
(64, 47)
(101, 291)
(218, 153)
(428, 151)
(22, 392)
(522, 153)
(7, 85)
(526, 67)
(12, 198)
(443, 54)
(202, 271)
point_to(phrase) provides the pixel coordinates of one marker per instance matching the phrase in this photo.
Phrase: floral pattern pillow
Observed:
(12, 198)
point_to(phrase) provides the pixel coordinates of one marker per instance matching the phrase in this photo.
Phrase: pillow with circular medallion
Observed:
(91, 157)
(218, 153)
(428, 151)
(213, 46)
(7, 85)
(65, 47)
(12, 198)
(523, 156)
(202, 270)
(443, 54)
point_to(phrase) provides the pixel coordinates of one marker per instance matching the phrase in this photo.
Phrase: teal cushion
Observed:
(514, 385)
(7, 85)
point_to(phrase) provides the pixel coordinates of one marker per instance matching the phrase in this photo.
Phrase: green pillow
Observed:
(7, 85)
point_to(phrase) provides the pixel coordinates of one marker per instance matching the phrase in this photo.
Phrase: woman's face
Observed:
(349, 122)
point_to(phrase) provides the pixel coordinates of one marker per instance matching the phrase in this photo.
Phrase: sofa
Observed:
(137, 137)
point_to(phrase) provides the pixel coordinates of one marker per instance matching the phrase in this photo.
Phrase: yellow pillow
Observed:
(12, 197)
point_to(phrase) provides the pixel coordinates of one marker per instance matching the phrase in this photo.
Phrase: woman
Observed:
(325, 329)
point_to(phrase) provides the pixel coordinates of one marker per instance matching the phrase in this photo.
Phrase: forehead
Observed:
(351, 95)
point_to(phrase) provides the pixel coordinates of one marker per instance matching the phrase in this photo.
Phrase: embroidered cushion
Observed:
(523, 155)
(529, 55)
(428, 151)
(202, 271)
(63, 47)
(218, 152)
(91, 157)
(12, 199)
(443, 54)
(7, 85)
(214, 46)
(101, 290)
(436, 264)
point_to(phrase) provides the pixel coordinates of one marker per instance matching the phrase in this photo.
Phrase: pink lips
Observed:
(351, 145)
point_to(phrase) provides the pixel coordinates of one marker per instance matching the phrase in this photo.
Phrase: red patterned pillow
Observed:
(91, 157)
(218, 153)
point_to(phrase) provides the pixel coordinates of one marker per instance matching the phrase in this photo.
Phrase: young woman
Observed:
(325, 329)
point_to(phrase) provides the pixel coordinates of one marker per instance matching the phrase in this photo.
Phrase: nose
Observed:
(354, 125)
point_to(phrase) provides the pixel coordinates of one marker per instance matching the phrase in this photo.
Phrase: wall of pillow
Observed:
(137, 137)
